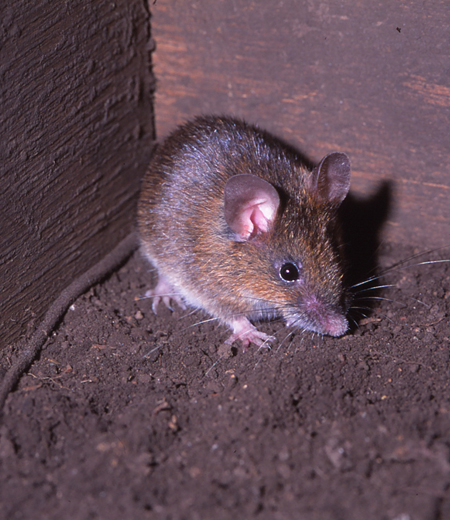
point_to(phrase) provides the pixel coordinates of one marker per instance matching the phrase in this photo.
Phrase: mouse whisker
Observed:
(152, 269)
(363, 311)
(367, 281)
(191, 313)
(358, 309)
(288, 335)
(354, 321)
(446, 261)
(202, 322)
(377, 298)
(168, 295)
(374, 288)
(145, 356)
(421, 302)
(405, 264)
(213, 365)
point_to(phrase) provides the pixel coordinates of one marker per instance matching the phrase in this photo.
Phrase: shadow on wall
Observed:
(362, 222)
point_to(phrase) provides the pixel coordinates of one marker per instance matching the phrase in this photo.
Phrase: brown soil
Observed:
(131, 415)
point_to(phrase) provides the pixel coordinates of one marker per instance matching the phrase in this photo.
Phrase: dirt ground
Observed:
(131, 415)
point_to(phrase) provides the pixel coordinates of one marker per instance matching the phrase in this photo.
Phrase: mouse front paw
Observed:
(164, 292)
(247, 333)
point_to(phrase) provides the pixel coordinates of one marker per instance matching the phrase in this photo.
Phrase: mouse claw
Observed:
(247, 333)
(156, 300)
(164, 292)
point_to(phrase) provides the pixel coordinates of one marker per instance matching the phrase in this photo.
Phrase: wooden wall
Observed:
(371, 78)
(76, 134)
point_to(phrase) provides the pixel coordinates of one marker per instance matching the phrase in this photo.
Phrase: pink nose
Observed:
(325, 320)
(335, 324)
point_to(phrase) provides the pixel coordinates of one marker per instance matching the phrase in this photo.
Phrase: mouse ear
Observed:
(251, 204)
(331, 178)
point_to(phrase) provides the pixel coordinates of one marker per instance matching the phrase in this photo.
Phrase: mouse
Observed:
(236, 225)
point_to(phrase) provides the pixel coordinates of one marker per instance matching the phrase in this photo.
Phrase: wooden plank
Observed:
(369, 78)
(76, 126)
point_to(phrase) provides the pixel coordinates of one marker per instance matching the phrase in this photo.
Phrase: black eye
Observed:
(289, 272)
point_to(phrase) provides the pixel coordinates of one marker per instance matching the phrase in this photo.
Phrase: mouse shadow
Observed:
(362, 223)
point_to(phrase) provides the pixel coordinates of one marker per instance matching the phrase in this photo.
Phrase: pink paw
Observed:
(165, 292)
(247, 333)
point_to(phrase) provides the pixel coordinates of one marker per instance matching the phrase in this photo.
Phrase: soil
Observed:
(131, 415)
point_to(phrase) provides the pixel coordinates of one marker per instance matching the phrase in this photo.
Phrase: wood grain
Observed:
(76, 127)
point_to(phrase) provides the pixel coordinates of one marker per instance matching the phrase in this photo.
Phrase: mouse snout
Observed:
(322, 317)
(335, 324)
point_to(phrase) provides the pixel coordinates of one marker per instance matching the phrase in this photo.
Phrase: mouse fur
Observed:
(222, 244)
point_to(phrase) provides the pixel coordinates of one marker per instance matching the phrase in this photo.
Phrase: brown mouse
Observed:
(236, 225)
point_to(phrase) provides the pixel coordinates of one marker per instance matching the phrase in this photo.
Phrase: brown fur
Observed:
(184, 232)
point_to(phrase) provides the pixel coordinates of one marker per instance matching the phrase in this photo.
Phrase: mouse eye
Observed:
(289, 272)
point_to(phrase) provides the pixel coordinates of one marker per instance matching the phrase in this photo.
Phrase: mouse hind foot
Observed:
(165, 292)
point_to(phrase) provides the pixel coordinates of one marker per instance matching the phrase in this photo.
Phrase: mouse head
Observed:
(301, 239)
(251, 203)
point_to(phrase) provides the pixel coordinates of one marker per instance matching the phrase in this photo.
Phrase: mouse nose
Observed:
(335, 325)
(324, 318)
